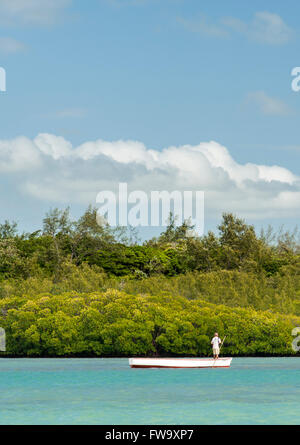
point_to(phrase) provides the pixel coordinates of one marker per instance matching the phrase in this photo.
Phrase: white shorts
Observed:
(216, 351)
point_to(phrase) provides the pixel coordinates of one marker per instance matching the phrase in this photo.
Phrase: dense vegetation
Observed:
(116, 323)
(80, 288)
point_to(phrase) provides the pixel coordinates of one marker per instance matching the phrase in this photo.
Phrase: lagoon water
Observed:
(108, 391)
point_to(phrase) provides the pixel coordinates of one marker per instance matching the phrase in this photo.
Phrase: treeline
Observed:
(115, 323)
(236, 247)
(82, 288)
(277, 293)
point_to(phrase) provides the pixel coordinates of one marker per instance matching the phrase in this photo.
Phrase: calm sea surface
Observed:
(107, 391)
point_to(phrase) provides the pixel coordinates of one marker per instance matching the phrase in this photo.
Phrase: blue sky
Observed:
(161, 72)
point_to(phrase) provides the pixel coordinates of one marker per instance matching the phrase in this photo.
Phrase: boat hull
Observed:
(179, 363)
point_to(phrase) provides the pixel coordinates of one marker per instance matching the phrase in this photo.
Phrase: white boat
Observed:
(180, 362)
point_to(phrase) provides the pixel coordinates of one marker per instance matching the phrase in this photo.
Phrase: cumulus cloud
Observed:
(267, 104)
(35, 12)
(49, 169)
(18, 155)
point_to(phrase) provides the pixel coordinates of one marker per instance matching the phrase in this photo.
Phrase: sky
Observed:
(161, 94)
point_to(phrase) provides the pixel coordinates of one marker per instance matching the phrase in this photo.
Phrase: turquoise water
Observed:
(107, 391)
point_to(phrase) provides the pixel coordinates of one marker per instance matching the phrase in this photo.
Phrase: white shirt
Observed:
(216, 342)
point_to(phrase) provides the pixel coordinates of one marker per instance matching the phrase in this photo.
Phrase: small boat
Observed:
(180, 362)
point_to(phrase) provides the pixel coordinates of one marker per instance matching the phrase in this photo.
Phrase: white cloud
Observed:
(203, 27)
(55, 147)
(266, 27)
(36, 12)
(267, 104)
(18, 155)
(50, 170)
(9, 45)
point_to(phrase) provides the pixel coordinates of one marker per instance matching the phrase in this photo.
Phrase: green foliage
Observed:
(115, 323)
(8, 230)
(176, 251)
(81, 288)
(120, 260)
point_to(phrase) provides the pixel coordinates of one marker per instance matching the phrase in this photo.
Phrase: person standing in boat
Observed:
(216, 341)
